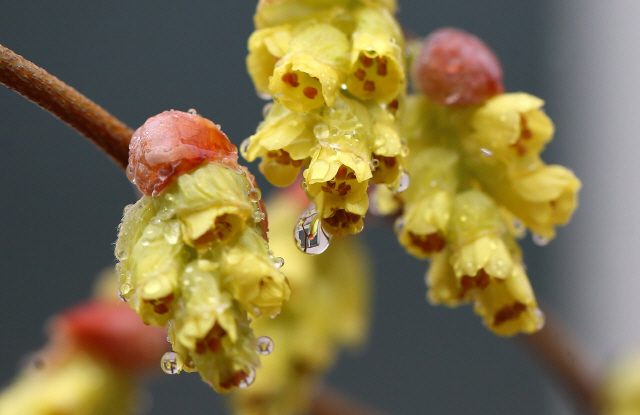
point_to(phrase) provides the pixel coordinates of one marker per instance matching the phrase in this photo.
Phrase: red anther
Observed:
(113, 332)
(456, 68)
(310, 92)
(366, 61)
(173, 143)
(291, 79)
(508, 313)
(360, 74)
(342, 172)
(369, 86)
(382, 66)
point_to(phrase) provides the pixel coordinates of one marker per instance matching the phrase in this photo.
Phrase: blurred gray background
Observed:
(61, 199)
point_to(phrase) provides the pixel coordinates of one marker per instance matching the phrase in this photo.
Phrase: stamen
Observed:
(434, 242)
(382, 66)
(291, 79)
(360, 74)
(369, 86)
(366, 61)
(508, 313)
(310, 92)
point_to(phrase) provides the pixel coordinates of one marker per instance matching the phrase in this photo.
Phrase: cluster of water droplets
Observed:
(309, 234)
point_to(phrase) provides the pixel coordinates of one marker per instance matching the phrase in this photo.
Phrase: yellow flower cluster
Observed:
(477, 183)
(336, 73)
(328, 310)
(620, 392)
(195, 257)
(77, 384)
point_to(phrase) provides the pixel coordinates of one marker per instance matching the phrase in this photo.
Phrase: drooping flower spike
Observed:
(193, 251)
(478, 182)
(95, 354)
(335, 70)
(328, 311)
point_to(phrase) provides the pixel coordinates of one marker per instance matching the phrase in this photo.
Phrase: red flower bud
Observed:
(112, 332)
(456, 68)
(173, 143)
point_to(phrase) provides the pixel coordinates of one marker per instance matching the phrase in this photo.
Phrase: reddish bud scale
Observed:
(173, 143)
(456, 68)
(114, 333)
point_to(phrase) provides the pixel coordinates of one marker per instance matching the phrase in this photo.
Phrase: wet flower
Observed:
(336, 72)
(95, 353)
(195, 256)
(478, 182)
(327, 311)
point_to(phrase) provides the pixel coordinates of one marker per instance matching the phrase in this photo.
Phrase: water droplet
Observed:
(125, 289)
(255, 194)
(246, 382)
(519, 227)
(541, 318)
(266, 109)
(343, 87)
(265, 345)
(256, 311)
(244, 146)
(486, 152)
(275, 315)
(264, 96)
(192, 111)
(258, 216)
(278, 262)
(539, 239)
(405, 180)
(398, 225)
(375, 163)
(126, 209)
(169, 363)
(310, 236)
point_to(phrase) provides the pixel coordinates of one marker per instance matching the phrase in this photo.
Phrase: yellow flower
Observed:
(512, 127)
(195, 256)
(377, 70)
(73, 385)
(327, 311)
(428, 202)
(284, 140)
(266, 47)
(311, 73)
(620, 392)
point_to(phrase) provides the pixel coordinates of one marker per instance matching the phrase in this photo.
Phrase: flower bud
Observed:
(456, 68)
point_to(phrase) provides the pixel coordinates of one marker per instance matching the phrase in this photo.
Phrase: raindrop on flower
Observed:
(310, 236)
(265, 345)
(248, 381)
(244, 146)
(398, 225)
(264, 96)
(267, 107)
(258, 216)
(375, 163)
(539, 239)
(192, 111)
(486, 152)
(255, 194)
(404, 182)
(519, 227)
(169, 363)
(278, 262)
(541, 318)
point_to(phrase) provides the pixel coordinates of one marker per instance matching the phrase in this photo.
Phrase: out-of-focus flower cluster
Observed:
(95, 352)
(335, 69)
(193, 252)
(477, 182)
(328, 310)
(620, 391)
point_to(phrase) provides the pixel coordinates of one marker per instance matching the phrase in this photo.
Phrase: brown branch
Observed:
(80, 113)
(331, 402)
(567, 362)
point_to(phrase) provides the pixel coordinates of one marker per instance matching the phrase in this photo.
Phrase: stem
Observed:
(80, 113)
(566, 361)
(328, 401)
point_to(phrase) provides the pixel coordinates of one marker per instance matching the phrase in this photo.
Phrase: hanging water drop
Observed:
(541, 318)
(404, 182)
(375, 163)
(192, 111)
(258, 216)
(519, 227)
(486, 152)
(310, 236)
(265, 110)
(265, 345)
(539, 239)
(264, 96)
(398, 225)
(255, 194)
(169, 363)
(278, 262)
(244, 146)
(248, 381)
